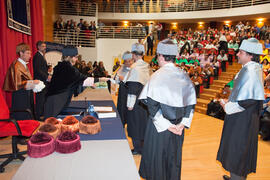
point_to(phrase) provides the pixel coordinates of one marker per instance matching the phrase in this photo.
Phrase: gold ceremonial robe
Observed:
(16, 77)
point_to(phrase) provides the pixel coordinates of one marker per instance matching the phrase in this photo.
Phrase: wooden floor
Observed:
(199, 153)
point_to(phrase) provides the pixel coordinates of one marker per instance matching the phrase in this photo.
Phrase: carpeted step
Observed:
(220, 82)
(211, 91)
(207, 96)
(200, 109)
(217, 87)
(202, 102)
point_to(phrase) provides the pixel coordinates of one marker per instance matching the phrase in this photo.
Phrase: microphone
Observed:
(86, 107)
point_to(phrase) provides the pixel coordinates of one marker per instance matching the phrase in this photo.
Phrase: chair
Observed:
(14, 128)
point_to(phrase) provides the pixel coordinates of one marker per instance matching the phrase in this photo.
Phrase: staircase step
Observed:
(220, 82)
(211, 91)
(200, 109)
(202, 102)
(225, 78)
(217, 87)
(232, 70)
(207, 96)
(228, 73)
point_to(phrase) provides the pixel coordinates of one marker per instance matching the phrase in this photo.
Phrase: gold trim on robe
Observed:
(16, 77)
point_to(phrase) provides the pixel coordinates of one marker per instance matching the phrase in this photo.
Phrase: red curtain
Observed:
(9, 38)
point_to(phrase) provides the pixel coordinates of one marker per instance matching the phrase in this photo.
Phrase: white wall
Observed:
(88, 54)
(108, 49)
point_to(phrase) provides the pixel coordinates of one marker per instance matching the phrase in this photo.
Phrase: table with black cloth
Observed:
(103, 156)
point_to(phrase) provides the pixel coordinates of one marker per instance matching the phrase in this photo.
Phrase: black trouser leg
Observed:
(197, 89)
(40, 101)
(137, 144)
(236, 177)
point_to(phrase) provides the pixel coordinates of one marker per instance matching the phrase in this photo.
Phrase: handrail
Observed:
(87, 38)
(150, 6)
(81, 8)
(120, 32)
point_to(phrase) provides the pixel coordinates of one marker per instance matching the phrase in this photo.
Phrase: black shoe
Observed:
(135, 152)
(22, 141)
(225, 177)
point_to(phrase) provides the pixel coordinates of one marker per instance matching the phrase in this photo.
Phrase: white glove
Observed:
(38, 87)
(103, 79)
(30, 85)
(88, 81)
(113, 81)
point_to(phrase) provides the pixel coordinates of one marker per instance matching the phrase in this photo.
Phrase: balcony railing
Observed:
(160, 6)
(79, 8)
(86, 8)
(77, 38)
(87, 38)
(120, 32)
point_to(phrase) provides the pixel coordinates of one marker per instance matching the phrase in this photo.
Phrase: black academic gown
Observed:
(122, 102)
(162, 152)
(239, 142)
(64, 83)
(136, 118)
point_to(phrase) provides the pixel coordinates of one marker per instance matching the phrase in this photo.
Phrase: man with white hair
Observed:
(137, 112)
(170, 97)
(239, 142)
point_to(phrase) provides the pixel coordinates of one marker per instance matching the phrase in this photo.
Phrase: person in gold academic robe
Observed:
(19, 81)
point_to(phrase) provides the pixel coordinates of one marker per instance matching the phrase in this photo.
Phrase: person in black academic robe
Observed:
(64, 83)
(137, 112)
(41, 73)
(239, 142)
(170, 97)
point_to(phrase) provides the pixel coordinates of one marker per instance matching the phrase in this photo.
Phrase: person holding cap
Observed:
(170, 97)
(64, 83)
(137, 112)
(239, 142)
